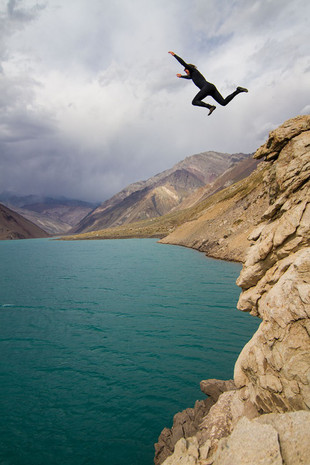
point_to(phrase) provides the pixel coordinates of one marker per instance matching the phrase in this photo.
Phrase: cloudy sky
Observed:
(90, 102)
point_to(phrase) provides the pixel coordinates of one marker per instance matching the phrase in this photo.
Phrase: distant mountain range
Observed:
(14, 226)
(164, 192)
(186, 183)
(55, 216)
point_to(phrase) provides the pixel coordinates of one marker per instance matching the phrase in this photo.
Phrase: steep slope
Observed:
(14, 226)
(159, 194)
(56, 216)
(217, 224)
(224, 220)
(264, 415)
(236, 173)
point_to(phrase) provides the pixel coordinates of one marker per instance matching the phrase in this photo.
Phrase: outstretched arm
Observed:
(182, 62)
(186, 76)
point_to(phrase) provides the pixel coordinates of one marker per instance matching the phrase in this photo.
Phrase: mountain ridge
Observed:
(159, 194)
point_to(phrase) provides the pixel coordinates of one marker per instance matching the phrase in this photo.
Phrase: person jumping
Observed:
(206, 88)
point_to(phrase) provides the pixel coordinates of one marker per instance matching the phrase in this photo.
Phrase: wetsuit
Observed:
(206, 88)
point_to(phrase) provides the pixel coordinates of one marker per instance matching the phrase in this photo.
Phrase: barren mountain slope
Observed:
(160, 194)
(55, 216)
(221, 227)
(217, 225)
(14, 226)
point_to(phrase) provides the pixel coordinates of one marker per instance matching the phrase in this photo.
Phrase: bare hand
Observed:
(179, 75)
(172, 53)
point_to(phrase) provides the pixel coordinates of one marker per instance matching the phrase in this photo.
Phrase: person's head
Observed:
(187, 71)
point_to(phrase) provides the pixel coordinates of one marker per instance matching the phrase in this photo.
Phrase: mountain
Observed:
(14, 226)
(214, 219)
(237, 172)
(56, 216)
(160, 194)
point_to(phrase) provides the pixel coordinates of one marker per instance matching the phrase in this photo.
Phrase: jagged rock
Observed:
(185, 425)
(188, 452)
(188, 422)
(272, 439)
(280, 136)
(185, 453)
(223, 416)
(215, 387)
(216, 424)
(274, 365)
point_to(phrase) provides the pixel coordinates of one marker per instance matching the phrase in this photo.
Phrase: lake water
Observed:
(102, 342)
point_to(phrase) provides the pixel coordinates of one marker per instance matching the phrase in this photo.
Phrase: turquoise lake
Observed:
(102, 342)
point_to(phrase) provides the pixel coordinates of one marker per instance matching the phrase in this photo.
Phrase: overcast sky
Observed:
(90, 102)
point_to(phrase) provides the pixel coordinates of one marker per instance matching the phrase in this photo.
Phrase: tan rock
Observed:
(250, 443)
(275, 365)
(288, 224)
(215, 387)
(280, 136)
(223, 416)
(185, 453)
(294, 435)
(270, 439)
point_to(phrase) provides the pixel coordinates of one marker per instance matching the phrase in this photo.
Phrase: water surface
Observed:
(102, 342)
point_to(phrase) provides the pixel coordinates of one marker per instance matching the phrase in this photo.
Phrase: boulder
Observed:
(285, 439)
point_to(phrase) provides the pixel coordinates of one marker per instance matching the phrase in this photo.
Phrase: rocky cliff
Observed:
(263, 416)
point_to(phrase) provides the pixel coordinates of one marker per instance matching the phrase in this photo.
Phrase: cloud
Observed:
(89, 101)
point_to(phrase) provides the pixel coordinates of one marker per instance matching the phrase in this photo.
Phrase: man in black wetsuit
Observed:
(206, 88)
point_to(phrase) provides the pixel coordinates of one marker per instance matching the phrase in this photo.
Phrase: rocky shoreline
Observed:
(262, 416)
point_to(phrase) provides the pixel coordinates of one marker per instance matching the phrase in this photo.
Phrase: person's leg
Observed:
(197, 100)
(224, 101)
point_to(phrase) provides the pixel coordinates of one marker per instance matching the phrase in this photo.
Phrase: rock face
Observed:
(264, 417)
(274, 367)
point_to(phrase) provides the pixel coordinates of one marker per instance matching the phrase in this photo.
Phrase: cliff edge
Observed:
(263, 415)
